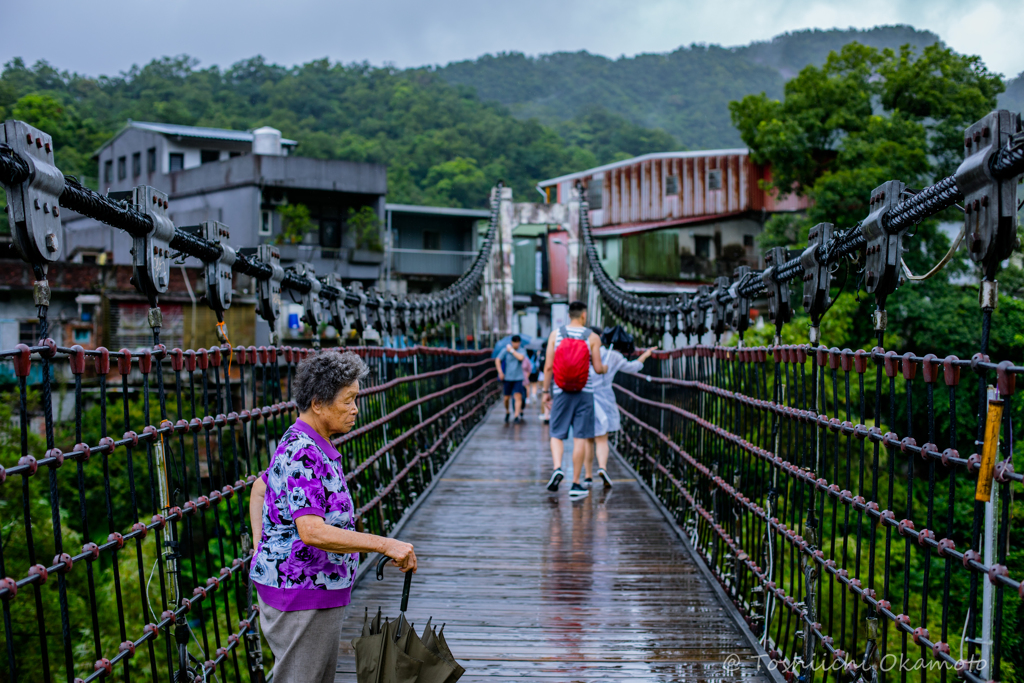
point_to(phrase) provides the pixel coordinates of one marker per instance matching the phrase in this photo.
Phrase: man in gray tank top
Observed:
(571, 408)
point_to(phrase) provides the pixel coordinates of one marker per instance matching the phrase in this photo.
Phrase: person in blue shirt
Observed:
(510, 371)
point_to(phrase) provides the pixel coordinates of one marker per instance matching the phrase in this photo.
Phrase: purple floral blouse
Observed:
(304, 478)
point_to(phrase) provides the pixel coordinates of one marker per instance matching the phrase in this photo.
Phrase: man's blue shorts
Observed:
(515, 387)
(574, 410)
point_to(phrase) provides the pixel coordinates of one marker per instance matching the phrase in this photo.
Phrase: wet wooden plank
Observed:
(530, 584)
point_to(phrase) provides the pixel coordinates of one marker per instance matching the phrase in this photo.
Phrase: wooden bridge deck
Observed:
(533, 585)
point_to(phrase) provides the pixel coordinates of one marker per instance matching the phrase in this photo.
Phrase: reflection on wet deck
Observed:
(531, 584)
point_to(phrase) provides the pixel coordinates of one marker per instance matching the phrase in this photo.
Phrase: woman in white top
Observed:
(606, 410)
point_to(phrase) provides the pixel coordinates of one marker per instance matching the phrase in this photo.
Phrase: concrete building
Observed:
(430, 246)
(241, 179)
(245, 180)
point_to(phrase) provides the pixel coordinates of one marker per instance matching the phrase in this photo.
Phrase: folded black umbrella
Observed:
(392, 652)
(618, 338)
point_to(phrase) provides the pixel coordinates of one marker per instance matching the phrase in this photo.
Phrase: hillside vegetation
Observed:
(685, 92)
(445, 133)
(441, 143)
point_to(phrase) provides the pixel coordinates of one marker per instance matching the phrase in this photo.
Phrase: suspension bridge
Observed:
(786, 512)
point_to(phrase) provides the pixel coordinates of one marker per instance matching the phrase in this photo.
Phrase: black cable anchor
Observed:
(741, 300)
(359, 322)
(721, 307)
(33, 204)
(268, 292)
(218, 273)
(990, 202)
(699, 308)
(883, 253)
(151, 250)
(779, 310)
(336, 309)
(312, 312)
(817, 277)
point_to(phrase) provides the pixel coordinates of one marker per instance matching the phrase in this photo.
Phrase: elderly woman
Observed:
(302, 514)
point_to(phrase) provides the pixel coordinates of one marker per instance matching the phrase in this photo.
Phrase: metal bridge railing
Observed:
(125, 534)
(837, 495)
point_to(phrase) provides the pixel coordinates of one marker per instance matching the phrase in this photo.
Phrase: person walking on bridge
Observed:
(569, 391)
(510, 371)
(606, 408)
(302, 517)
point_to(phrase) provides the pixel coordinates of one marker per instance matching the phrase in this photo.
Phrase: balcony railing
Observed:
(431, 261)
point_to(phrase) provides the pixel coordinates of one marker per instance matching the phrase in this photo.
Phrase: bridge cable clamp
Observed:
(151, 252)
(312, 310)
(740, 301)
(268, 292)
(336, 309)
(780, 311)
(721, 306)
(883, 254)
(218, 272)
(375, 312)
(699, 308)
(359, 316)
(990, 204)
(33, 206)
(817, 278)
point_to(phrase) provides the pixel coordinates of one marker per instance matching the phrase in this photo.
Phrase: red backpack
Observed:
(571, 367)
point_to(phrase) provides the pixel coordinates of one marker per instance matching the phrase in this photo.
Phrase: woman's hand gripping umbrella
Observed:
(392, 652)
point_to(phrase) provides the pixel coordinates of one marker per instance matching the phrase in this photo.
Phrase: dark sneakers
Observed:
(507, 416)
(578, 491)
(588, 482)
(607, 480)
(555, 480)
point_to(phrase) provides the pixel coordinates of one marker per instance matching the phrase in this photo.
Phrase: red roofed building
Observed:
(681, 216)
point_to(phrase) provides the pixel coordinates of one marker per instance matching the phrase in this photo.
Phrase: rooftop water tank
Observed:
(266, 140)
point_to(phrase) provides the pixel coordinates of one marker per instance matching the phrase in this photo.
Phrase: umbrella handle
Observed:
(384, 559)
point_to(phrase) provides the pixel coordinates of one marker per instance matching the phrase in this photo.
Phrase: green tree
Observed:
(365, 225)
(453, 182)
(865, 117)
(296, 223)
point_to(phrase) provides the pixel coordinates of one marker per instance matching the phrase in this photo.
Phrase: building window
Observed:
(431, 240)
(671, 185)
(595, 194)
(136, 164)
(715, 179)
(82, 336)
(86, 257)
(266, 223)
(108, 170)
(232, 155)
(28, 333)
(330, 234)
(748, 240)
(122, 168)
(702, 246)
(177, 161)
(151, 160)
(209, 155)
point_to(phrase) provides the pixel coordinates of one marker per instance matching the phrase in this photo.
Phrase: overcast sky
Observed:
(109, 36)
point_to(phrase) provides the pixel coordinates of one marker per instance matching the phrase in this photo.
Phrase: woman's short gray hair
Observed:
(322, 376)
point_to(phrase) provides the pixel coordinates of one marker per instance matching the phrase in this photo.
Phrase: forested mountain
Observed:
(790, 52)
(446, 133)
(685, 93)
(1013, 98)
(441, 143)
